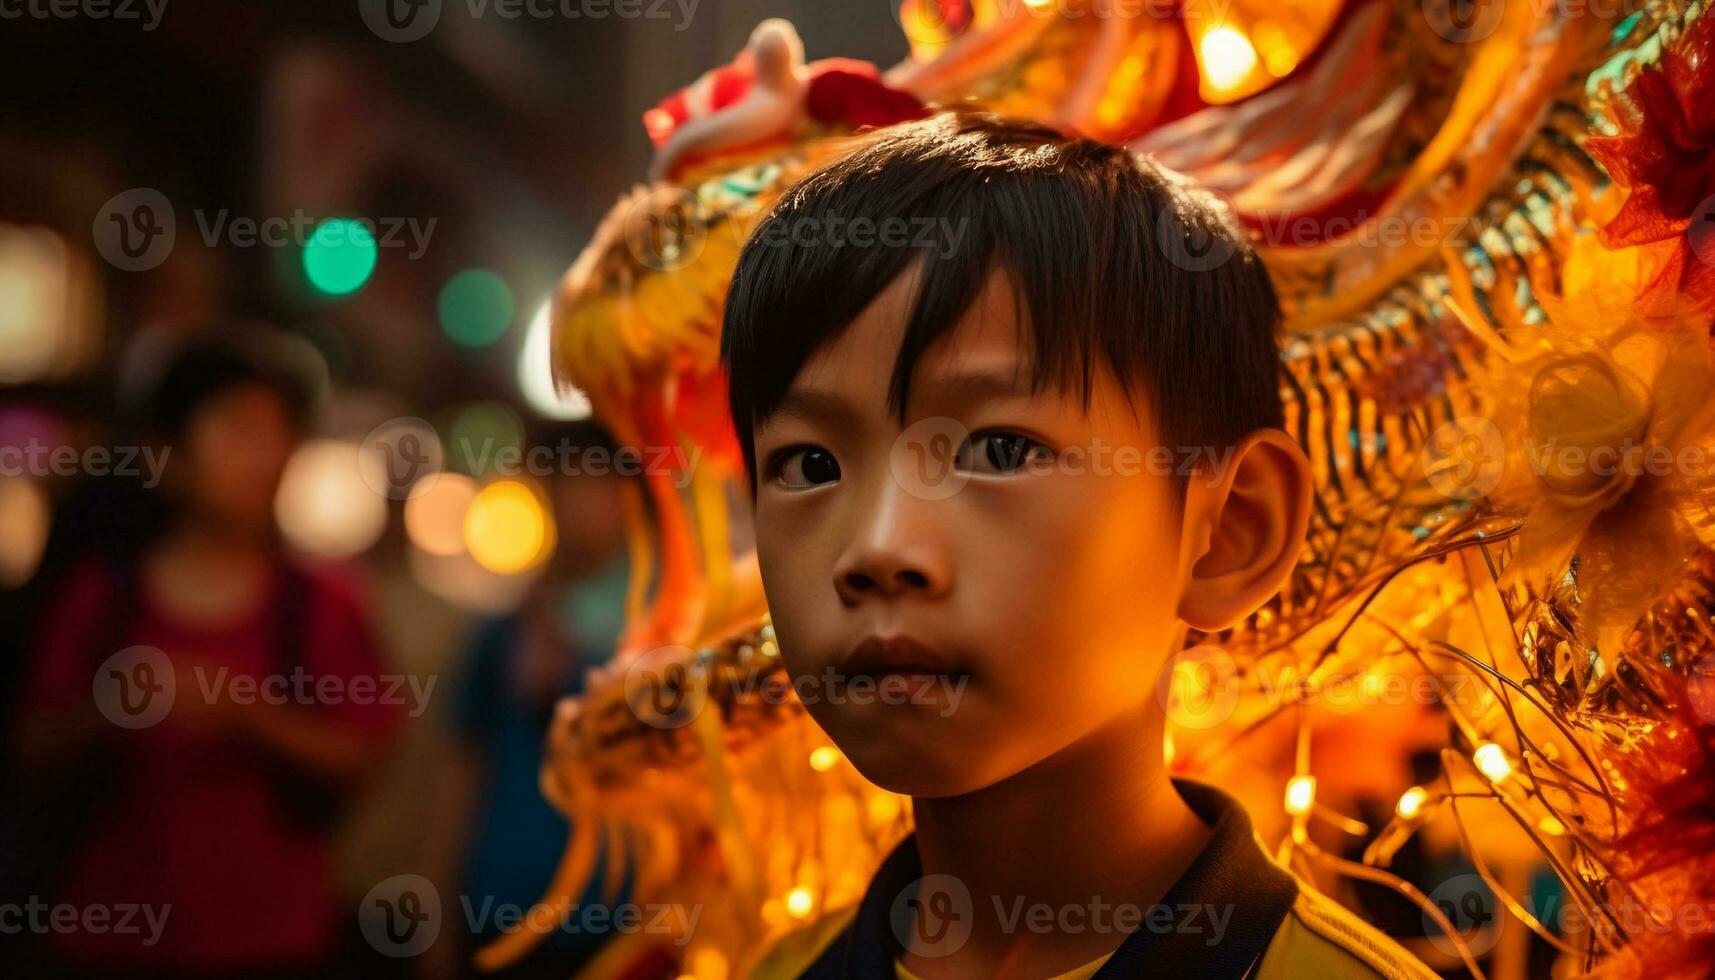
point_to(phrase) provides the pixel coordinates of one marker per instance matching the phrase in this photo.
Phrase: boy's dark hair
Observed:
(1108, 256)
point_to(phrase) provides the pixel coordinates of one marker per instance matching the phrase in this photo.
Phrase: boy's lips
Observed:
(880, 656)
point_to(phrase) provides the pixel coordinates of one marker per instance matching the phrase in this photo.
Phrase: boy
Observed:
(956, 445)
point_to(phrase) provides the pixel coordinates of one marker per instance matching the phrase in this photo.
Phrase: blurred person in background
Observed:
(217, 815)
(497, 840)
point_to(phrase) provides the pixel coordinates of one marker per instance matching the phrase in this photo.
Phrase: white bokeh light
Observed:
(536, 374)
(324, 507)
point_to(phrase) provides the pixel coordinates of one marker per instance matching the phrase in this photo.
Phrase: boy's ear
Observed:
(1244, 530)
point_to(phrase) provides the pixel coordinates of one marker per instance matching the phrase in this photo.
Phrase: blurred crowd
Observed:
(214, 744)
(271, 706)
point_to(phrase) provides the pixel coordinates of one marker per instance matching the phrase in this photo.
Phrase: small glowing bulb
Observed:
(1552, 826)
(799, 902)
(1411, 803)
(824, 757)
(1372, 687)
(1228, 57)
(1300, 795)
(1168, 749)
(1492, 760)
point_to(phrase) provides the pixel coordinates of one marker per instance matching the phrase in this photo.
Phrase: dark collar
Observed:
(1231, 872)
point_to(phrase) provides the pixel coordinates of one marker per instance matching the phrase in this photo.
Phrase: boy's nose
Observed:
(895, 551)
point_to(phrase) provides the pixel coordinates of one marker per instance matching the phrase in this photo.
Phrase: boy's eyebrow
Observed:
(957, 387)
(949, 388)
(812, 405)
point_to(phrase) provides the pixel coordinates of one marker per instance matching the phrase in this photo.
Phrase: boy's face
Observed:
(994, 615)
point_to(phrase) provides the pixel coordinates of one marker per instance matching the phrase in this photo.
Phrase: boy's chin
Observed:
(912, 776)
(922, 768)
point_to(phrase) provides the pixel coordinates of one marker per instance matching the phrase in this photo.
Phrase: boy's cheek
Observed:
(789, 583)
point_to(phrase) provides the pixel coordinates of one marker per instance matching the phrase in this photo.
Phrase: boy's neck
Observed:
(1098, 821)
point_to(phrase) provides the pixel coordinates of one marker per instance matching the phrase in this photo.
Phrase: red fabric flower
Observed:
(851, 93)
(842, 91)
(1667, 163)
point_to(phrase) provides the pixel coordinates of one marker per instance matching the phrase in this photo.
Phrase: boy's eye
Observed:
(1001, 452)
(806, 467)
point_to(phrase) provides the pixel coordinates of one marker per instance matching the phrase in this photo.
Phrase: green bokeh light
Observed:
(476, 307)
(340, 256)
